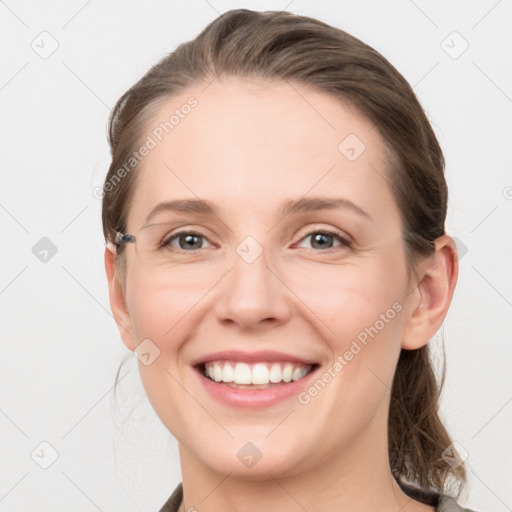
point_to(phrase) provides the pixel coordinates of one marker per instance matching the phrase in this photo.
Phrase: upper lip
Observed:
(260, 355)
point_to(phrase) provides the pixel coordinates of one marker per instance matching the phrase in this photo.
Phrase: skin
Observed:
(249, 145)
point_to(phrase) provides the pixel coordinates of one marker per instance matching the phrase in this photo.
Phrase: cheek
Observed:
(361, 316)
(349, 299)
(163, 311)
(164, 304)
(358, 307)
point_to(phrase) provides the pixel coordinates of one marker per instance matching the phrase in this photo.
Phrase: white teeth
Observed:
(217, 373)
(242, 373)
(228, 374)
(258, 373)
(275, 373)
(298, 373)
(287, 373)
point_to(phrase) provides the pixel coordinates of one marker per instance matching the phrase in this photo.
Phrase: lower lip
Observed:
(254, 398)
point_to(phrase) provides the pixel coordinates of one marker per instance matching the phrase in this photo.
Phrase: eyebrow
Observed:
(302, 205)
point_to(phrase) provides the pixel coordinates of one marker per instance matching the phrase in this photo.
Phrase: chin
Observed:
(258, 461)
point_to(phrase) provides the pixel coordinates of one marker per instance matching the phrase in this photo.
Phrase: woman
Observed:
(277, 261)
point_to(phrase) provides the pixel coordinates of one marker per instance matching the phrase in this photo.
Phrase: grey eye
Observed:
(187, 241)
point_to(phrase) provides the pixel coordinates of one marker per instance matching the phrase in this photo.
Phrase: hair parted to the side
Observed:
(278, 45)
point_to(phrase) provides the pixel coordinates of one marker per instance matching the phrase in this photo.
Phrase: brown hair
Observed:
(283, 46)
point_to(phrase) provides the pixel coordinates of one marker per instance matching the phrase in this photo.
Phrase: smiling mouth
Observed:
(260, 375)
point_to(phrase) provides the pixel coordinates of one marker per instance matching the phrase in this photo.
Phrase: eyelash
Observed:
(166, 242)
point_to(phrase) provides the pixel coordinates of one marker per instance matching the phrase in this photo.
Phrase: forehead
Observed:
(252, 143)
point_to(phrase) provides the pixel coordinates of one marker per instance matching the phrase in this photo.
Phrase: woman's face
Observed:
(256, 277)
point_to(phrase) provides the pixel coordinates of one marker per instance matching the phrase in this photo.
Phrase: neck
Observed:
(356, 478)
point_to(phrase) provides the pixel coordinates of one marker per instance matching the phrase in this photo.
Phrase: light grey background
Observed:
(60, 347)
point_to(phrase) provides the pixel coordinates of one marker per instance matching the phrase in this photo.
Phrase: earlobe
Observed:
(118, 300)
(432, 297)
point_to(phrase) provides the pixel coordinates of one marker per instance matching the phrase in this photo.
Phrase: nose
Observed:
(253, 295)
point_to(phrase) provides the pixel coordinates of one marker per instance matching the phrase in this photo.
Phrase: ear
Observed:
(430, 300)
(117, 300)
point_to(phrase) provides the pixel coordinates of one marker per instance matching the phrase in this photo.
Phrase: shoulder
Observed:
(441, 502)
(448, 504)
(174, 501)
